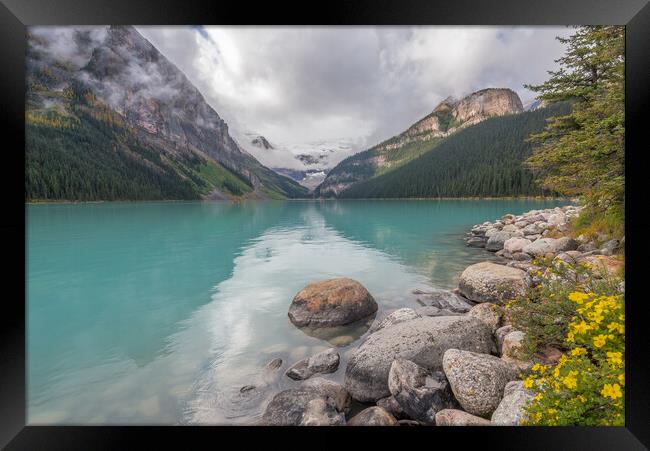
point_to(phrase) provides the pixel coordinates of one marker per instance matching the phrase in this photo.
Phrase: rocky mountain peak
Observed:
(486, 103)
(261, 142)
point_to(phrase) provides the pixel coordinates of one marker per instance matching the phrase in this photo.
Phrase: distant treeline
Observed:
(484, 160)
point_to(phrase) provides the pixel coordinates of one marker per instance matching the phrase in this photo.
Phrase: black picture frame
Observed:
(16, 14)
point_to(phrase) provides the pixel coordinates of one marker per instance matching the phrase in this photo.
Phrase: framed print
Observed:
(230, 219)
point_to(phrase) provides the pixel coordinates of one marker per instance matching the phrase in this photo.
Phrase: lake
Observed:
(159, 312)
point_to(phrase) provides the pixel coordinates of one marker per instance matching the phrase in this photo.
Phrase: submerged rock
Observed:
(477, 380)
(324, 362)
(331, 302)
(489, 282)
(422, 341)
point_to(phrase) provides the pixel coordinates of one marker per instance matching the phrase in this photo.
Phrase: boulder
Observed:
(330, 389)
(515, 244)
(491, 314)
(496, 241)
(540, 247)
(422, 340)
(513, 345)
(448, 300)
(489, 282)
(565, 244)
(419, 392)
(324, 362)
(330, 303)
(604, 266)
(477, 380)
(476, 242)
(391, 406)
(398, 316)
(321, 412)
(500, 334)
(373, 416)
(287, 407)
(430, 310)
(510, 411)
(453, 417)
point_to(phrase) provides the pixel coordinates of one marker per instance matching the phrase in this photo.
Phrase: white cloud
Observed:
(360, 84)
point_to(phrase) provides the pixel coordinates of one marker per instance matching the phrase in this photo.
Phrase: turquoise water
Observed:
(157, 313)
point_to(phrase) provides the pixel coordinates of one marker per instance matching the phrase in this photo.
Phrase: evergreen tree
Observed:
(582, 153)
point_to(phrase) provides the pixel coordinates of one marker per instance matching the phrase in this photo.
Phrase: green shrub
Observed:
(545, 311)
(587, 386)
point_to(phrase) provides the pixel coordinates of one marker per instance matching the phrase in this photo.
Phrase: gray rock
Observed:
(565, 244)
(496, 241)
(449, 300)
(333, 302)
(330, 389)
(430, 310)
(477, 380)
(587, 247)
(373, 416)
(521, 224)
(422, 340)
(391, 406)
(515, 244)
(477, 242)
(510, 411)
(491, 314)
(324, 362)
(513, 344)
(540, 247)
(274, 364)
(398, 316)
(489, 282)
(287, 407)
(418, 391)
(522, 257)
(321, 412)
(453, 417)
(500, 334)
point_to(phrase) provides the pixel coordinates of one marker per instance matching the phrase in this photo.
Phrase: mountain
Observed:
(484, 160)
(109, 117)
(447, 118)
(306, 163)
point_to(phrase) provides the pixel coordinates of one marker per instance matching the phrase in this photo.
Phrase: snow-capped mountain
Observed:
(306, 163)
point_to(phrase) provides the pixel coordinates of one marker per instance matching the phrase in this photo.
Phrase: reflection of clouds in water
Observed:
(248, 314)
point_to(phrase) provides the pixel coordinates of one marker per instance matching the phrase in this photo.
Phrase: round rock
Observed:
(373, 416)
(477, 380)
(332, 302)
(489, 282)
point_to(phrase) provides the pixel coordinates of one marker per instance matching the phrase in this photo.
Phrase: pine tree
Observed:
(583, 153)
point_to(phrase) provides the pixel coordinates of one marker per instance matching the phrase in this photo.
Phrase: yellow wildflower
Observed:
(570, 381)
(612, 391)
(539, 397)
(578, 351)
(528, 383)
(599, 340)
(578, 297)
(615, 358)
(536, 367)
(621, 378)
(581, 327)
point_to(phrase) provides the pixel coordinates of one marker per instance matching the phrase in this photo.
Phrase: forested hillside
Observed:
(480, 161)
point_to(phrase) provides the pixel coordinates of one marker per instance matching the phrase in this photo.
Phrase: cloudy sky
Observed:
(357, 84)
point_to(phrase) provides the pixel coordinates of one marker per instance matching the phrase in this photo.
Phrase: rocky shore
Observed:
(454, 360)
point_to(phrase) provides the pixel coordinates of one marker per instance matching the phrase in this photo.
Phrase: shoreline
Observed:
(238, 201)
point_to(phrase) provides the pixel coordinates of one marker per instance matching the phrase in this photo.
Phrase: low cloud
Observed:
(359, 84)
